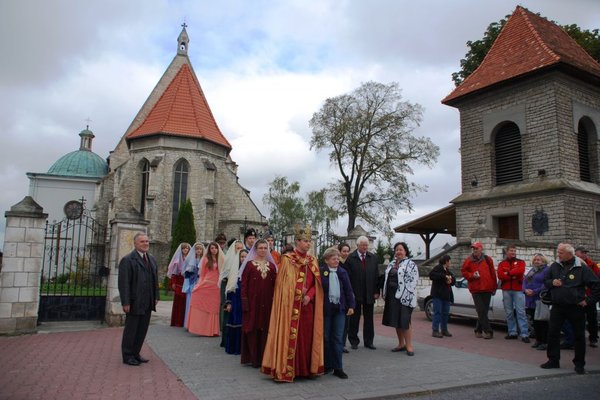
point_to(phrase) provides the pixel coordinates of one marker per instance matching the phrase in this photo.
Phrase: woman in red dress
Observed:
(175, 274)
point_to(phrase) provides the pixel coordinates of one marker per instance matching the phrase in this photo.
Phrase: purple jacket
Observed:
(346, 293)
(534, 280)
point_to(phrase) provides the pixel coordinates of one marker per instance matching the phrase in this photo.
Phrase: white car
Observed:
(463, 303)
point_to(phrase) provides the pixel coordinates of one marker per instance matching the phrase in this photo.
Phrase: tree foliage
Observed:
(369, 136)
(589, 40)
(185, 228)
(285, 204)
(317, 211)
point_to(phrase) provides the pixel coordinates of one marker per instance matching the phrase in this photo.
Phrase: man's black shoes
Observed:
(550, 365)
(370, 346)
(340, 373)
(141, 359)
(580, 370)
(131, 361)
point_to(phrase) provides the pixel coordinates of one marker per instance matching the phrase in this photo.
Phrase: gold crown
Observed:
(303, 233)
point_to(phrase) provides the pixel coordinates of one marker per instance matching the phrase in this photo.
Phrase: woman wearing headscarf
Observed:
(258, 273)
(206, 297)
(175, 274)
(400, 295)
(230, 267)
(233, 304)
(191, 273)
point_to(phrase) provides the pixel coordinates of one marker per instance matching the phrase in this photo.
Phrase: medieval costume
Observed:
(232, 332)
(257, 282)
(206, 300)
(295, 342)
(175, 274)
(191, 272)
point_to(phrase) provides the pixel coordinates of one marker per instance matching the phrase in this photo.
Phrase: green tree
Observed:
(589, 40)
(318, 211)
(185, 228)
(369, 136)
(285, 204)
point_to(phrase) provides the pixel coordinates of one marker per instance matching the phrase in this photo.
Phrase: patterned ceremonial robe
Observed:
(295, 342)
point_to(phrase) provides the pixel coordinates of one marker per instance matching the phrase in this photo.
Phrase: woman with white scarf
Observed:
(338, 303)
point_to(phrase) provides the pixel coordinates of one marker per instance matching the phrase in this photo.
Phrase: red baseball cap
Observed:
(477, 245)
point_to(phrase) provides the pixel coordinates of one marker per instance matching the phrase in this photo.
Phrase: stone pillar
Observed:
(20, 276)
(123, 229)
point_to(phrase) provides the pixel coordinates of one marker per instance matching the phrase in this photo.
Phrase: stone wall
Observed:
(22, 265)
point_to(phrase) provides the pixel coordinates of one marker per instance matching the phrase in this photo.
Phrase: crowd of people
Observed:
(559, 297)
(291, 317)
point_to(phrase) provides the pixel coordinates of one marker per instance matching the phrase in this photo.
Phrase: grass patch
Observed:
(65, 289)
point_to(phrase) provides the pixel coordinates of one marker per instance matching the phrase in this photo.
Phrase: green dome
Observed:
(80, 163)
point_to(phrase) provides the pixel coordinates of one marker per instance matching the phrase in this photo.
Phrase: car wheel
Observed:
(429, 309)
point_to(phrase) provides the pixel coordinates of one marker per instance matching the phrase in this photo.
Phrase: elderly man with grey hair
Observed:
(566, 279)
(362, 267)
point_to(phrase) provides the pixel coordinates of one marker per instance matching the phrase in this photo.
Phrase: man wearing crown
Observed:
(295, 342)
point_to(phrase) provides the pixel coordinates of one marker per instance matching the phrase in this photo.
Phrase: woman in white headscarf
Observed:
(233, 303)
(175, 274)
(258, 273)
(205, 303)
(191, 272)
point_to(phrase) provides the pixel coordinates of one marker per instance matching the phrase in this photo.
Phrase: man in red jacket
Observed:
(478, 270)
(510, 273)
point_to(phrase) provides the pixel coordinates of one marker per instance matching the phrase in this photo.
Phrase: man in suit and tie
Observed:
(363, 269)
(138, 288)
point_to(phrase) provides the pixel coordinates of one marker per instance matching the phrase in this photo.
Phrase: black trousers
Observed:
(592, 321)
(482, 306)
(539, 327)
(136, 327)
(368, 330)
(574, 314)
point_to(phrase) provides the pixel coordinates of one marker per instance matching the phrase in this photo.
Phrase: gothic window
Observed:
(180, 188)
(587, 146)
(507, 154)
(145, 175)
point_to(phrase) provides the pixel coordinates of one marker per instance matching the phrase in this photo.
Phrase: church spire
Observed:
(86, 139)
(183, 41)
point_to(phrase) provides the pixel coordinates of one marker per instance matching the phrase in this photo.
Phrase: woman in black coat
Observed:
(442, 280)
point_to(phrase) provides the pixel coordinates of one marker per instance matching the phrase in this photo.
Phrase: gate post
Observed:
(22, 266)
(123, 229)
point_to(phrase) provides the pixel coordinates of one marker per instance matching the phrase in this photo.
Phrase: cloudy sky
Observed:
(265, 67)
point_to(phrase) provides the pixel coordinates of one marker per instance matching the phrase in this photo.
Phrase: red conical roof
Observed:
(181, 110)
(528, 43)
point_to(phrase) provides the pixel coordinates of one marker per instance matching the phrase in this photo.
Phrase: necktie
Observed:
(146, 263)
(362, 257)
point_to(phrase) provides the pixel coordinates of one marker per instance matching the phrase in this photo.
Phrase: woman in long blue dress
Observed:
(233, 305)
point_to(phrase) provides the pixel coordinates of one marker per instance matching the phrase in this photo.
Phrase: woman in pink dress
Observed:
(205, 303)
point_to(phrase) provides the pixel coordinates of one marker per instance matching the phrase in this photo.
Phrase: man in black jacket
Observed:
(138, 289)
(363, 269)
(567, 279)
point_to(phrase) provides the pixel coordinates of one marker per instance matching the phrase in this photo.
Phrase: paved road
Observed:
(86, 364)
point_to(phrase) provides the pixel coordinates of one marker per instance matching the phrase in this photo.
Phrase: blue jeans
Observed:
(333, 333)
(441, 312)
(514, 300)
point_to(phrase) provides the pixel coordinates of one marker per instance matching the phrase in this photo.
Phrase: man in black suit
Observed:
(138, 288)
(363, 269)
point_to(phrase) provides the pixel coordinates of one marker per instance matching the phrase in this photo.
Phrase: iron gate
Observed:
(74, 273)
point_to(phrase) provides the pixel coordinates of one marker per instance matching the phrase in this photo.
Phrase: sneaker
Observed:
(550, 364)
(447, 334)
(437, 334)
(525, 339)
(510, 337)
(488, 335)
(580, 370)
(478, 335)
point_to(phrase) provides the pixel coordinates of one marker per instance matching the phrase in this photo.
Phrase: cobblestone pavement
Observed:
(82, 361)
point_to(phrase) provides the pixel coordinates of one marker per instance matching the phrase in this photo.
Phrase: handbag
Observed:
(546, 296)
(542, 311)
